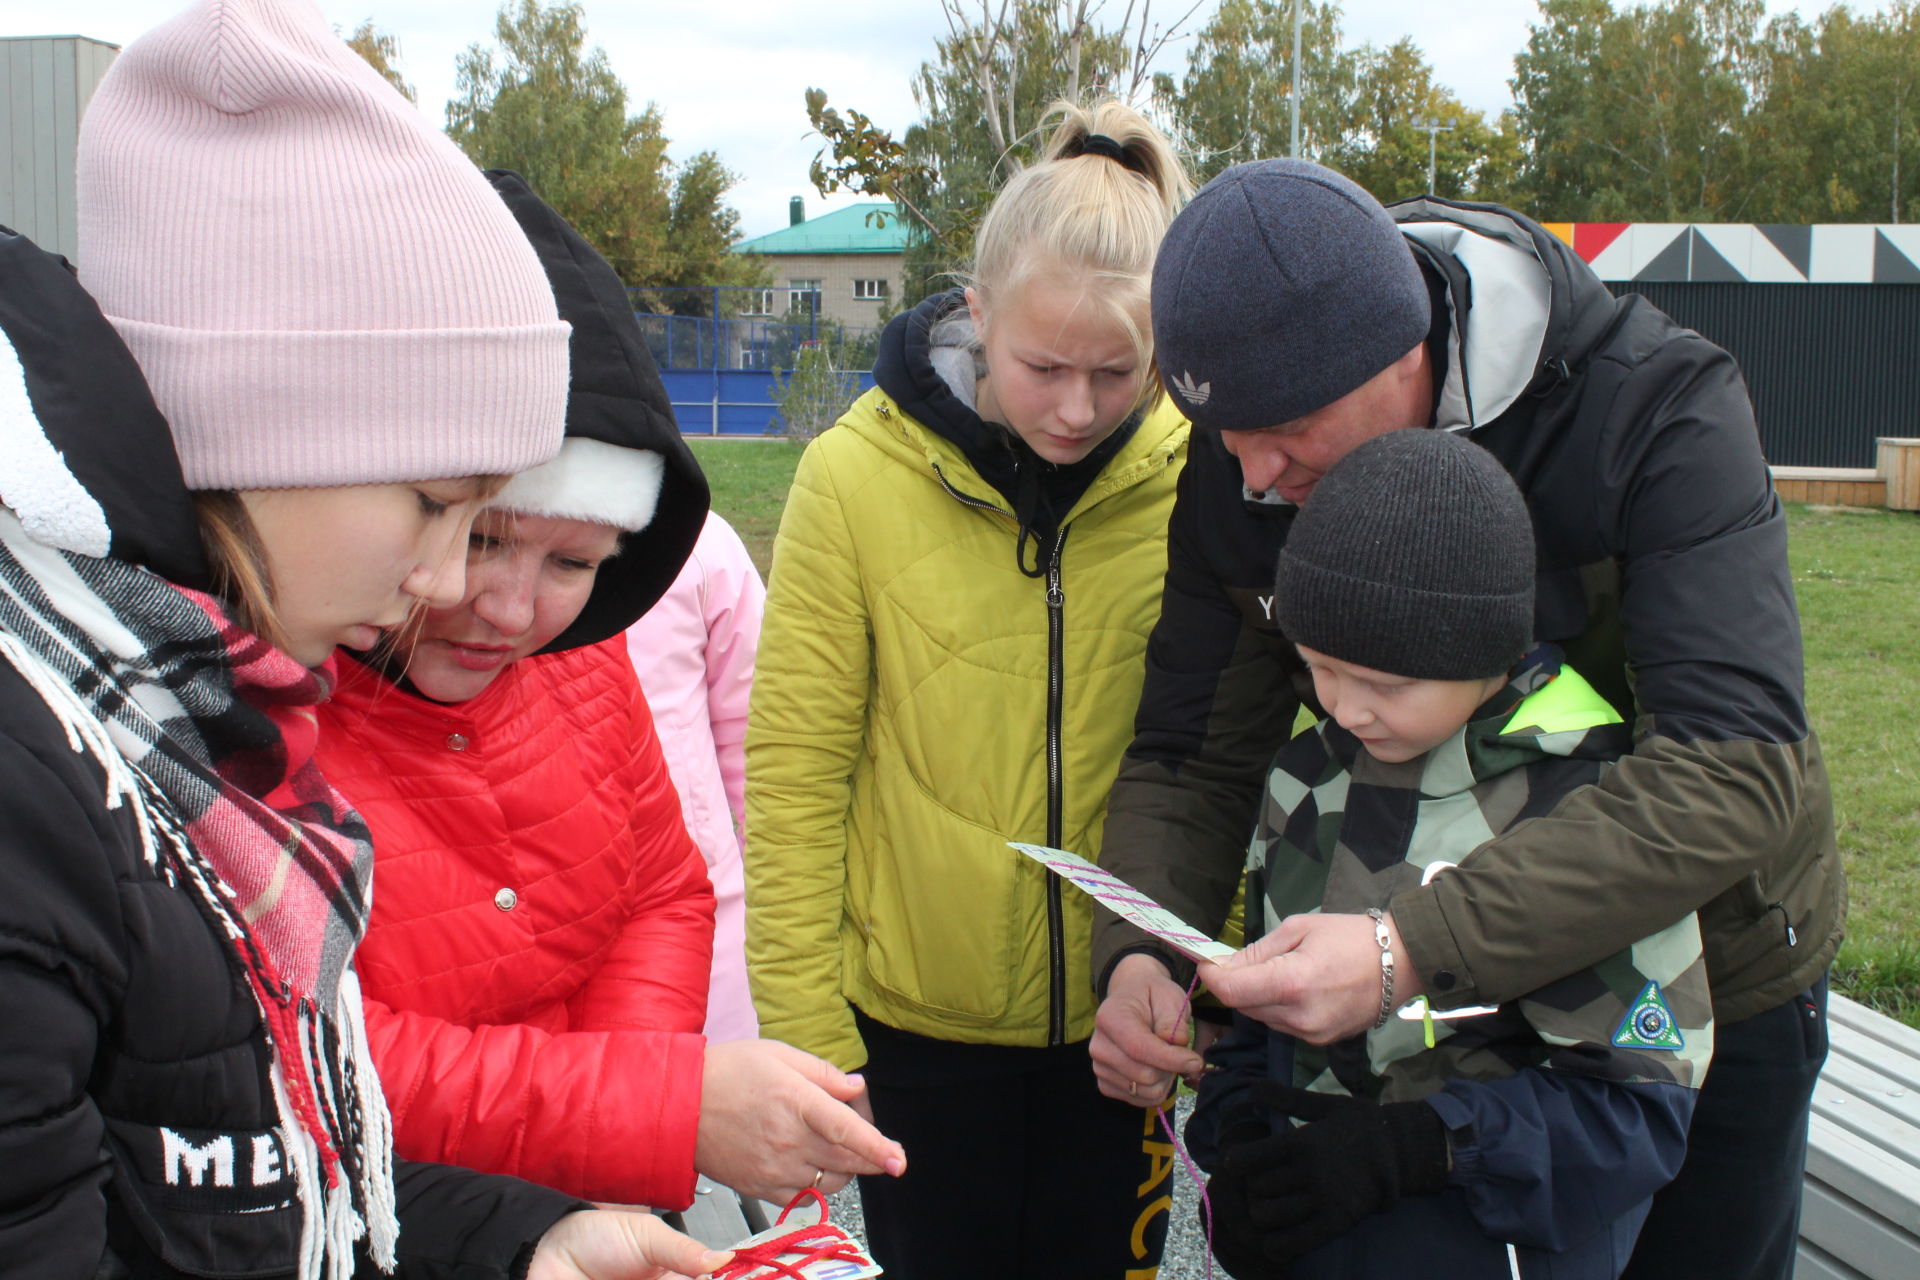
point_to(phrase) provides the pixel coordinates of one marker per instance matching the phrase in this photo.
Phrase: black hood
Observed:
(615, 396)
(110, 484)
(1039, 492)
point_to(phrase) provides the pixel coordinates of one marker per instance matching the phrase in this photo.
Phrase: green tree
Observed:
(545, 105)
(381, 51)
(981, 100)
(1838, 137)
(1642, 113)
(1360, 108)
(1387, 145)
(814, 391)
(1234, 101)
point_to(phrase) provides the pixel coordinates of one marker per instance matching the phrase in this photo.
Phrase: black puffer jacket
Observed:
(136, 1111)
(1662, 574)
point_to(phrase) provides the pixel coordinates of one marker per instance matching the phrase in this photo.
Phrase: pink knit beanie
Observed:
(320, 288)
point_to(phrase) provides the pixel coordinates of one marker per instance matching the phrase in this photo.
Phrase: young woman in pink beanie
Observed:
(315, 341)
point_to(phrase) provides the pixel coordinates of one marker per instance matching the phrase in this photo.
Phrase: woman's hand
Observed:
(619, 1244)
(773, 1117)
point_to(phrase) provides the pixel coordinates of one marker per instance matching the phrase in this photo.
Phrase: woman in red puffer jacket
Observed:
(537, 962)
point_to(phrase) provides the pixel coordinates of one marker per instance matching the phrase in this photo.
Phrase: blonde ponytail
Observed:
(1094, 216)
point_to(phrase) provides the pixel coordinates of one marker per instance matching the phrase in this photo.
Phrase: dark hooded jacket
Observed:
(127, 1033)
(1662, 574)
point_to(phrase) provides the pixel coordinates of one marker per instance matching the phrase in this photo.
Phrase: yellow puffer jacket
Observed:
(899, 736)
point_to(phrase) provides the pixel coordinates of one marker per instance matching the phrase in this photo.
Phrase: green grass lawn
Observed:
(1855, 572)
(750, 479)
(1858, 578)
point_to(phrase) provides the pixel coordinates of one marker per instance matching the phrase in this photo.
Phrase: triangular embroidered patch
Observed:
(1649, 1023)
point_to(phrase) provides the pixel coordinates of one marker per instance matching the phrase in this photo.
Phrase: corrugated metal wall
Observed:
(45, 85)
(1831, 366)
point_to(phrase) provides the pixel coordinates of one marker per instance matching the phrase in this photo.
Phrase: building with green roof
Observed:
(843, 265)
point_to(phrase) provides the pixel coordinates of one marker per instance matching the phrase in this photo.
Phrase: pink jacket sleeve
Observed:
(735, 599)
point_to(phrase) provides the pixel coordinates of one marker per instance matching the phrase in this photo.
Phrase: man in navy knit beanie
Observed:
(1294, 319)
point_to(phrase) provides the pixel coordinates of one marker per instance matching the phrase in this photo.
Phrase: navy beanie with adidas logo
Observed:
(1281, 287)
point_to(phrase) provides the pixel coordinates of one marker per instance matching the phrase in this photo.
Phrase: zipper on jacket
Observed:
(967, 498)
(1056, 781)
(1056, 796)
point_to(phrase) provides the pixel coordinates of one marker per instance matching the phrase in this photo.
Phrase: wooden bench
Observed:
(720, 1216)
(1861, 1216)
(1831, 486)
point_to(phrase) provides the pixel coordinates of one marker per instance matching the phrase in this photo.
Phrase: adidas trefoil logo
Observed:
(1192, 394)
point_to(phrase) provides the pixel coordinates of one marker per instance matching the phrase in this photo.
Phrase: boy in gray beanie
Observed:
(1527, 1135)
(1294, 320)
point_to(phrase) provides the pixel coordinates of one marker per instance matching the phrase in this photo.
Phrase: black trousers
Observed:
(1017, 1165)
(1734, 1211)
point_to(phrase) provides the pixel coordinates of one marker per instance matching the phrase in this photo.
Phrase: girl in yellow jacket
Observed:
(963, 584)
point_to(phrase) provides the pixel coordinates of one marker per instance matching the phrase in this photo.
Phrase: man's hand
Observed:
(772, 1116)
(1140, 1033)
(1316, 977)
(619, 1245)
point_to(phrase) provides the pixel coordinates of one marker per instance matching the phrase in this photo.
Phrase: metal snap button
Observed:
(456, 742)
(506, 899)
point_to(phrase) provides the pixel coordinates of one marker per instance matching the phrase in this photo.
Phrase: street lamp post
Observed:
(1434, 129)
(1293, 140)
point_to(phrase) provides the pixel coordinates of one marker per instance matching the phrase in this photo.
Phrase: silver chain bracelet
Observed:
(1382, 936)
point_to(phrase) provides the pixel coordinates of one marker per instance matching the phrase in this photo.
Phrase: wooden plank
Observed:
(1862, 1170)
(715, 1218)
(1855, 1236)
(1814, 1263)
(1881, 1107)
(1856, 1019)
(1897, 459)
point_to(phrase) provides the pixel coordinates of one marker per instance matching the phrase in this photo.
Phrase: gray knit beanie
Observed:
(1414, 556)
(1281, 287)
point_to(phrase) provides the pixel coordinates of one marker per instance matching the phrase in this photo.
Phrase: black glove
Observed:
(1276, 1197)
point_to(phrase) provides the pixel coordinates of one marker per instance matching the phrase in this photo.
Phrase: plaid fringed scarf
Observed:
(205, 733)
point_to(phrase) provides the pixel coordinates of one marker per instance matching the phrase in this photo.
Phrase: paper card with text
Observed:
(800, 1243)
(1126, 902)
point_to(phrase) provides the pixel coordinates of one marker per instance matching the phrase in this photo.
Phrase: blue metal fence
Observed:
(717, 348)
(727, 402)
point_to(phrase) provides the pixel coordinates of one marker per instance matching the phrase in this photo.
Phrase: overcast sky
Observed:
(730, 75)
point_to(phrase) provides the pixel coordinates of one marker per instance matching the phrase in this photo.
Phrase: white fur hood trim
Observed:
(589, 480)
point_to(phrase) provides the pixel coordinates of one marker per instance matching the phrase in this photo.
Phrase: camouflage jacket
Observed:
(1601, 1064)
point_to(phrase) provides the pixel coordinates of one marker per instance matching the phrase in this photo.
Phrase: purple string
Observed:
(1180, 1148)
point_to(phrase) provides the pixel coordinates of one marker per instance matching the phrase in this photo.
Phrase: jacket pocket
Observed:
(216, 1203)
(937, 902)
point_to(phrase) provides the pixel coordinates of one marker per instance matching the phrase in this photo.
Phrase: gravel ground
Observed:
(1186, 1256)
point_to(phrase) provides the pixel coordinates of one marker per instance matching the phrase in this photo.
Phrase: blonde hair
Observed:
(237, 563)
(1085, 217)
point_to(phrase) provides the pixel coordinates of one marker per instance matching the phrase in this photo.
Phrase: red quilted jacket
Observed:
(536, 968)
